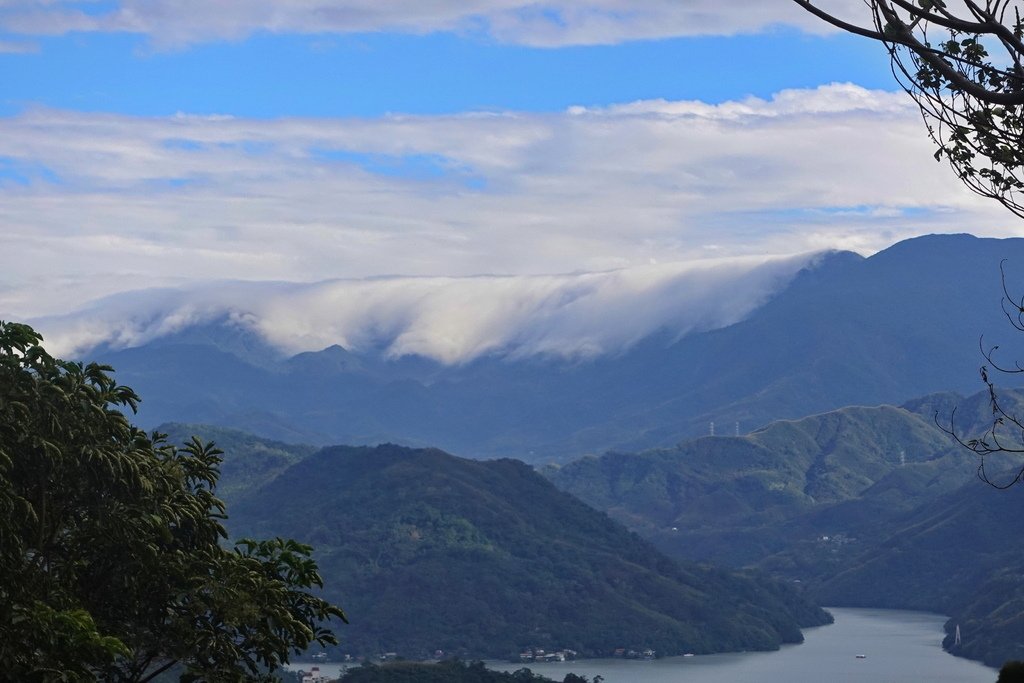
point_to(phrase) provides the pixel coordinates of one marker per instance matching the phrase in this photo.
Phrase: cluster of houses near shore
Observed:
(314, 676)
(539, 655)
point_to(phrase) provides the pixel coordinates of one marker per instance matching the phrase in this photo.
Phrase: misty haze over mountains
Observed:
(562, 366)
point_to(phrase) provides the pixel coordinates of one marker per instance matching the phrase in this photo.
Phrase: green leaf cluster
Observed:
(111, 558)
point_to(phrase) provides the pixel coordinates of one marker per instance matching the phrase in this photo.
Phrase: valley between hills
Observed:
(512, 503)
(720, 544)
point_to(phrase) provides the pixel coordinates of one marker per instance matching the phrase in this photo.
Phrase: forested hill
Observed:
(248, 461)
(868, 507)
(956, 555)
(738, 500)
(427, 551)
(848, 331)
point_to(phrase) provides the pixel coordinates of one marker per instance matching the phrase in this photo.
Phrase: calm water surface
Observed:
(900, 647)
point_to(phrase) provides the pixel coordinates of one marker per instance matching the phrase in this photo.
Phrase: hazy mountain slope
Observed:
(956, 555)
(992, 618)
(902, 323)
(429, 551)
(935, 556)
(738, 500)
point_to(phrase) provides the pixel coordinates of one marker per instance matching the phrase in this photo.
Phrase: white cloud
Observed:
(552, 23)
(92, 204)
(452, 320)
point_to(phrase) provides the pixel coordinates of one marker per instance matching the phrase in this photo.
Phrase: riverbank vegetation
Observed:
(451, 671)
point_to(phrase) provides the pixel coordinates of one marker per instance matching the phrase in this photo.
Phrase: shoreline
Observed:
(897, 646)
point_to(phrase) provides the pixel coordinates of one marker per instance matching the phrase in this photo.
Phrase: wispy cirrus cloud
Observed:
(112, 202)
(170, 23)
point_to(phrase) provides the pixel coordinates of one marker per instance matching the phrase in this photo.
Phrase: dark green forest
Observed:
(432, 552)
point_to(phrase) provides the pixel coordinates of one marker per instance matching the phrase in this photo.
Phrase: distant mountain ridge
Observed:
(902, 323)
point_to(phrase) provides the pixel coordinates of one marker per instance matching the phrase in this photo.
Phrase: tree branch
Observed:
(839, 23)
(159, 671)
(936, 59)
(945, 20)
(1009, 40)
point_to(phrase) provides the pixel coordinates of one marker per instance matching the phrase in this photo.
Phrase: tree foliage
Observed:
(1011, 672)
(111, 558)
(960, 60)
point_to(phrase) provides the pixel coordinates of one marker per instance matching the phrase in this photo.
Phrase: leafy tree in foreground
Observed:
(961, 61)
(111, 563)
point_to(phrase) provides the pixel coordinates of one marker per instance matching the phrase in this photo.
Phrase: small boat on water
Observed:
(862, 656)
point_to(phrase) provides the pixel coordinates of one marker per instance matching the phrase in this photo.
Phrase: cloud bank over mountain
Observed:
(94, 204)
(451, 320)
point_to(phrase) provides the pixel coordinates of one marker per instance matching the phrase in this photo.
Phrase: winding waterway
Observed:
(898, 647)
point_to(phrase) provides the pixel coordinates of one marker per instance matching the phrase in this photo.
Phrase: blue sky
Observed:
(372, 74)
(181, 143)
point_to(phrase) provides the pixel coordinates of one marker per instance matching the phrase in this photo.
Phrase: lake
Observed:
(899, 647)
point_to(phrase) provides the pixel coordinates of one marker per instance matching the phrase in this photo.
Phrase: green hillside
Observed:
(248, 461)
(427, 551)
(740, 500)
(872, 507)
(935, 557)
(955, 555)
(992, 620)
